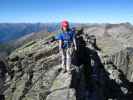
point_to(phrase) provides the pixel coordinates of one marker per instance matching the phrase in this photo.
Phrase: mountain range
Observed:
(13, 31)
(13, 35)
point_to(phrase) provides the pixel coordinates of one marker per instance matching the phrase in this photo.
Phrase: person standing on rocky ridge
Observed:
(67, 44)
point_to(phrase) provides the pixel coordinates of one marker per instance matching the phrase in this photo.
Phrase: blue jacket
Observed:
(66, 37)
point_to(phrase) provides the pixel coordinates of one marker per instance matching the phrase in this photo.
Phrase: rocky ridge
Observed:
(101, 70)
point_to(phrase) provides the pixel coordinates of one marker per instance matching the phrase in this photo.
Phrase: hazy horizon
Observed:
(59, 22)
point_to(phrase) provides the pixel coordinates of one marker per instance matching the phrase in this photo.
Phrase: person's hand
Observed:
(75, 48)
(60, 50)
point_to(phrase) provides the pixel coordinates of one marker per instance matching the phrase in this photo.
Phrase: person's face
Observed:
(64, 28)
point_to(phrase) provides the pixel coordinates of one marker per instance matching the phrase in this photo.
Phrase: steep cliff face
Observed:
(101, 70)
(3, 73)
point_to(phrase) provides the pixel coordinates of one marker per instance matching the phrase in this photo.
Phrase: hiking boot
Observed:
(64, 70)
(69, 71)
(59, 70)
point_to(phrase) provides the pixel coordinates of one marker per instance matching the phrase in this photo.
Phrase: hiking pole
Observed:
(51, 40)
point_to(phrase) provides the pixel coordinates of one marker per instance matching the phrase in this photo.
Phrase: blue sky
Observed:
(89, 11)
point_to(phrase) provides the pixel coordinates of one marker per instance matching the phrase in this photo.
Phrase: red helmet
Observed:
(64, 24)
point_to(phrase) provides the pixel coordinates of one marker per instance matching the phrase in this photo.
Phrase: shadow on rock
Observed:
(3, 71)
(92, 81)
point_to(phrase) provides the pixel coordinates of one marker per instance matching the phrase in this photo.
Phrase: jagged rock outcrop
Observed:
(123, 60)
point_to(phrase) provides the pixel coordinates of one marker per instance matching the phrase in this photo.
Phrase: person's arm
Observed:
(75, 44)
(60, 45)
(59, 38)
